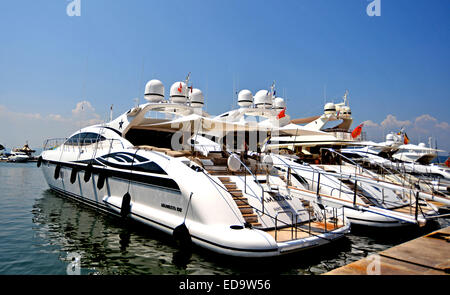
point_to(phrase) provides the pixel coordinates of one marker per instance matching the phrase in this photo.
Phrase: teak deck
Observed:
(302, 231)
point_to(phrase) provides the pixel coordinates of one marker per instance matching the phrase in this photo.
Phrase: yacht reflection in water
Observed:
(109, 245)
(104, 244)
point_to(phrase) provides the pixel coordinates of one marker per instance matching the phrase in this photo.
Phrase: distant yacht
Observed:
(25, 149)
(23, 154)
(18, 157)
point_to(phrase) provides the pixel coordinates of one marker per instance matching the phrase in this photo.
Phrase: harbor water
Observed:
(44, 233)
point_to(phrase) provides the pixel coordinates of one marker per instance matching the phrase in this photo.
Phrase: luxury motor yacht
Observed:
(429, 177)
(397, 148)
(160, 163)
(365, 199)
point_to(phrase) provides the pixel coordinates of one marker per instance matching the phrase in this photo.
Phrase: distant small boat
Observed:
(23, 154)
(18, 157)
(25, 149)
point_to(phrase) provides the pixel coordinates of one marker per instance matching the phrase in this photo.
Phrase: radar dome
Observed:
(154, 91)
(345, 111)
(178, 92)
(245, 98)
(196, 98)
(422, 145)
(390, 137)
(263, 99)
(329, 108)
(279, 103)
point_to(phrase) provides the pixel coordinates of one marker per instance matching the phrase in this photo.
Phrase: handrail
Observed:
(430, 186)
(391, 167)
(326, 174)
(292, 227)
(256, 180)
(85, 143)
(220, 186)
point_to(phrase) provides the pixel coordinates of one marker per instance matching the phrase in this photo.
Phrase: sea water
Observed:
(44, 233)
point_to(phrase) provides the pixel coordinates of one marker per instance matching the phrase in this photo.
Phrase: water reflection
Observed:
(108, 245)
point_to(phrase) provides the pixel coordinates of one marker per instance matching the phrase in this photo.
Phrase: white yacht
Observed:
(159, 164)
(18, 157)
(365, 199)
(403, 159)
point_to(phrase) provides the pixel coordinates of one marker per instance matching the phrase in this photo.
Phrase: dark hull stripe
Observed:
(109, 210)
(112, 129)
(167, 183)
(373, 221)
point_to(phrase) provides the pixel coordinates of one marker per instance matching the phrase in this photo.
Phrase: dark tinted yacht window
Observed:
(85, 138)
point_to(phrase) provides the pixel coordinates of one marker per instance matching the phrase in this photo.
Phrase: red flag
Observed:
(180, 88)
(282, 114)
(357, 131)
(447, 163)
(405, 139)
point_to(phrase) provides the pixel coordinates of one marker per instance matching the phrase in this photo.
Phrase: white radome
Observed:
(245, 98)
(178, 92)
(196, 97)
(263, 99)
(154, 91)
(329, 108)
(279, 103)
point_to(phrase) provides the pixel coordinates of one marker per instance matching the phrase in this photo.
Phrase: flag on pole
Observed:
(405, 139)
(447, 163)
(281, 114)
(357, 131)
(180, 88)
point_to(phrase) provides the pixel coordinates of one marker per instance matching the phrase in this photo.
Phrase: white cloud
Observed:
(418, 129)
(83, 107)
(56, 117)
(424, 118)
(84, 114)
(392, 122)
(443, 125)
(35, 127)
(370, 123)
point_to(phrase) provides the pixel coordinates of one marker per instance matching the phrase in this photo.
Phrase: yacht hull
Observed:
(149, 205)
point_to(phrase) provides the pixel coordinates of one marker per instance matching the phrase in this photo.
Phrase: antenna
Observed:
(140, 82)
(111, 113)
(437, 152)
(346, 97)
(234, 94)
(187, 87)
(206, 95)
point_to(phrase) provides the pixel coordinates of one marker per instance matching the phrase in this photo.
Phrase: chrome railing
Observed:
(82, 145)
(256, 181)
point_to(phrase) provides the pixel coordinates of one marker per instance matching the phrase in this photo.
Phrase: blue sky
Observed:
(396, 66)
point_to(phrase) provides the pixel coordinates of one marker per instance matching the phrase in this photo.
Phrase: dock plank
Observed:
(426, 255)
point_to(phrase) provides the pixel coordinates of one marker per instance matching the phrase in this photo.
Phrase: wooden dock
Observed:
(427, 255)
